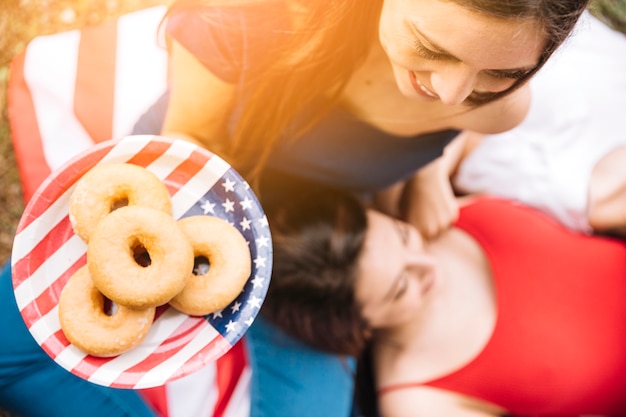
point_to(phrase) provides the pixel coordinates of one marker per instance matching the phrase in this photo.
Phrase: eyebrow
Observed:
(396, 281)
(442, 51)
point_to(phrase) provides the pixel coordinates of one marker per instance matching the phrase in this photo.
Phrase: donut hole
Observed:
(141, 255)
(119, 203)
(109, 307)
(201, 265)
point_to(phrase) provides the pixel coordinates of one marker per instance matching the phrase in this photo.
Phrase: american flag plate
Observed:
(46, 252)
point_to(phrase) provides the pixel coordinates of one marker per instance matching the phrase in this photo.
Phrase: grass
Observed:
(22, 20)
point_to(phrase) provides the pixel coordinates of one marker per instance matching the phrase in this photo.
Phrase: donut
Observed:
(229, 265)
(88, 325)
(139, 257)
(108, 186)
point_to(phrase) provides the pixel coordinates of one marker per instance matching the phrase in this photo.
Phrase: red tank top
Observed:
(559, 343)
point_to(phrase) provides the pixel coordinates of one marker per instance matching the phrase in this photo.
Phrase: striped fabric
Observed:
(69, 93)
(70, 90)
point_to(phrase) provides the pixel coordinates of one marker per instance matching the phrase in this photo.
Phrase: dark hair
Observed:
(556, 18)
(318, 234)
(337, 35)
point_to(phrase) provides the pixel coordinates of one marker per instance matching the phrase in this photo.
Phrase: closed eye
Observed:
(515, 75)
(424, 52)
(402, 287)
(403, 231)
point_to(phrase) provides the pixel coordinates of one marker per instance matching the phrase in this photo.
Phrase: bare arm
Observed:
(607, 194)
(200, 103)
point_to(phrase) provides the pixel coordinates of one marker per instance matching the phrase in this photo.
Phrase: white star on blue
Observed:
(231, 199)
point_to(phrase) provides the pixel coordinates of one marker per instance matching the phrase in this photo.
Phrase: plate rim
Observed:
(26, 221)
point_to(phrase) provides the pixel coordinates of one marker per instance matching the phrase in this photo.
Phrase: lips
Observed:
(420, 88)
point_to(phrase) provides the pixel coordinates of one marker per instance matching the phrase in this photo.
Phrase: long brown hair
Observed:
(337, 35)
(557, 18)
(317, 235)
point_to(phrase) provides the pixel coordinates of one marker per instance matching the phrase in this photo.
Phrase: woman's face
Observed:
(440, 51)
(395, 274)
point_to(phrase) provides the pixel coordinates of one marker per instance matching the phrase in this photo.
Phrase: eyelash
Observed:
(404, 232)
(509, 75)
(428, 54)
(402, 290)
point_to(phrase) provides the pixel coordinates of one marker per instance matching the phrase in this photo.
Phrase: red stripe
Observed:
(54, 344)
(56, 185)
(209, 354)
(157, 399)
(25, 132)
(48, 245)
(132, 375)
(229, 369)
(186, 170)
(78, 166)
(95, 80)
(150, 153)
(49, 299)
(130, 381)
(176, 342)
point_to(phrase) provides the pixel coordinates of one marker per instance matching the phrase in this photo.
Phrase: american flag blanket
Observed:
(73, 90)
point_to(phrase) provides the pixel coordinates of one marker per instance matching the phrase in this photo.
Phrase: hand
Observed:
(428, 201)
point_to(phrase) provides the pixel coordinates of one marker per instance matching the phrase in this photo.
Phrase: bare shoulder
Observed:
(200, 102)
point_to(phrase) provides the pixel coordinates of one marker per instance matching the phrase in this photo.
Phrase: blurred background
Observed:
(22, 20)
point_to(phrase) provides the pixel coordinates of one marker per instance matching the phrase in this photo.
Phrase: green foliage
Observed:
(611, 12)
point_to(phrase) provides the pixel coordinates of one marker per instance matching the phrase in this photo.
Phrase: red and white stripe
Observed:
(46, 253)
(73, 89)
(67, 92)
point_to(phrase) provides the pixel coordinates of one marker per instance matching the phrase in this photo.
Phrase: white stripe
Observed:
(141, 68)
(123, 151)
(46, 326)
(50, 73)
(239, 401)
(127, 148)
(53, 267)
(163, 371)
(70, 357)
(160, 331)
(194, 395)
(198, 185)
(163, 166)
(29, 237)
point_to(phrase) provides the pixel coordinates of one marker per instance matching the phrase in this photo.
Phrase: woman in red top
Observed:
(506, 313)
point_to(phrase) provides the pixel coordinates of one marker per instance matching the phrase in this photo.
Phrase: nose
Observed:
(453, 83)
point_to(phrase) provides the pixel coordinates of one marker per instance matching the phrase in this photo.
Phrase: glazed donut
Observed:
(88, 325)
(139, 257)
(108, 186)
(228, 256)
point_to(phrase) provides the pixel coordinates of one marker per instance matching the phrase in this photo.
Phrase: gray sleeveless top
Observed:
(345, 152)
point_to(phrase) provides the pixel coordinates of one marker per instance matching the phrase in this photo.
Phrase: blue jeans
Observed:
(291, 379)
(33, 385)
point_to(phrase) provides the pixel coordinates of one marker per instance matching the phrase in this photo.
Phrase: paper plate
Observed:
(46, 252)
